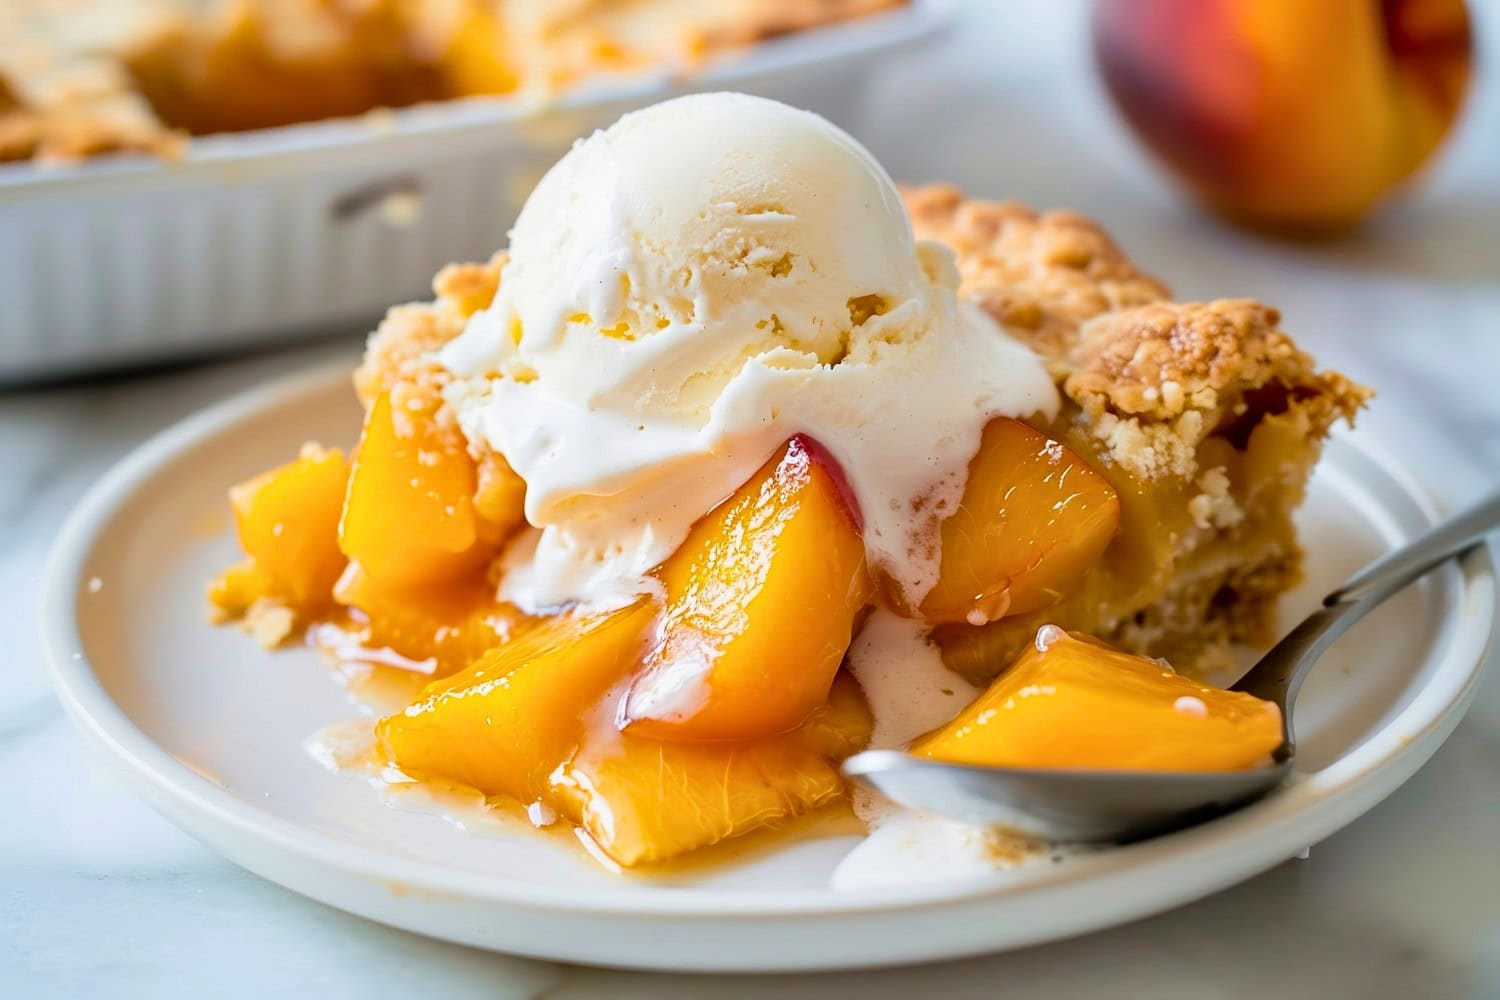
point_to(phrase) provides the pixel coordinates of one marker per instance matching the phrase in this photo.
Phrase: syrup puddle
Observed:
(379, 681)
(348, 749)
(909, 691)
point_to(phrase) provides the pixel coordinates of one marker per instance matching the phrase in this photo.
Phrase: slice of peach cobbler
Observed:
(673, 501)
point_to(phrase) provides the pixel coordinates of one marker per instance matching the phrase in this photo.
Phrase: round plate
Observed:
(210, 728)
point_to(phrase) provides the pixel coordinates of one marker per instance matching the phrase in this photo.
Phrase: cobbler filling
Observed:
(730, 691)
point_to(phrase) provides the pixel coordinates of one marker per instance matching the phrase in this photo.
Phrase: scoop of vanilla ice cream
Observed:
(688, 289)
(658, 256)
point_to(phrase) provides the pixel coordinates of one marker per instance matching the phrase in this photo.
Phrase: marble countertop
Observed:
(100, 896)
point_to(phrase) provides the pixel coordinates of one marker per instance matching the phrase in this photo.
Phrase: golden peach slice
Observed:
(287, 521)
(1071, 701)
(451, 624)
(505, 723)
(1033, 520)
(761, 603)
(409, 515)
(644, 801)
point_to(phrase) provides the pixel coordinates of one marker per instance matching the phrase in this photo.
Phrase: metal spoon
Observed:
(1074, 805)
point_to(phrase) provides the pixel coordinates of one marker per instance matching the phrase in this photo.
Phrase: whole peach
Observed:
(1297, 114)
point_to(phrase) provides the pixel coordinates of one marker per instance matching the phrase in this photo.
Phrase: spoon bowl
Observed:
(1105, 805)
(1066, 805)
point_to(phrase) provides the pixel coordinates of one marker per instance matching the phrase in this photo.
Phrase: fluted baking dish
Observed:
(282, 234)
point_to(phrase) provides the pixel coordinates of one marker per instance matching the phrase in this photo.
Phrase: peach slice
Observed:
(642, 801)
(1033, 520)
(409, 515)
(451, 624)
(499, 500)
(1071, 701)
(287, 520)
(761, 603)
(505, 723)
(842, 725)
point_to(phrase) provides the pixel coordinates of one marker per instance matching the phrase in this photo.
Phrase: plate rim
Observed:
(1317, 804)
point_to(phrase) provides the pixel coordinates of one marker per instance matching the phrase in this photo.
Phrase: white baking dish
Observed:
(280, 234)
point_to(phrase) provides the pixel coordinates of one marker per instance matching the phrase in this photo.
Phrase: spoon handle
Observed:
(1393, 571)
(1279, 674)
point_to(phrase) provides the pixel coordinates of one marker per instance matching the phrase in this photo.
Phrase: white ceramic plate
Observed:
(209, 728)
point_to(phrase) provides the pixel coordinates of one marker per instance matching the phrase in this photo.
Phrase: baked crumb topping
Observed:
(1156, 380)
(399, 356)
(1159, 360)
(1042, 274)
(1150, 378)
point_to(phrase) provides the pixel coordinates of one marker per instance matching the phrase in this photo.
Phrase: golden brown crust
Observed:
(61, 98)
(754, 22)
(84, 111)
(1157, 380)
(1151, 378)
(1157, 361)
(399, 354)
(1041, 274)
(65, 135)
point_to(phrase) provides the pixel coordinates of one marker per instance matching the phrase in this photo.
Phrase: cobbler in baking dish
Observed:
(738, 461)
(81, 78)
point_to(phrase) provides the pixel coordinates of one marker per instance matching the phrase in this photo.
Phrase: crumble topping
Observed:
(1161, 359)
(1147, 450)
(559, 42)
(400, 356)
(1042, 274)
(1155, 380)
(1147, 378)
(752, 21)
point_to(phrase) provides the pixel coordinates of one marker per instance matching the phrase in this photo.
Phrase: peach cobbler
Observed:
(739, 461)
(80, 78)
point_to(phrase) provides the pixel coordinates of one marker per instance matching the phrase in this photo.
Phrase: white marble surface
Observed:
(99, 896)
